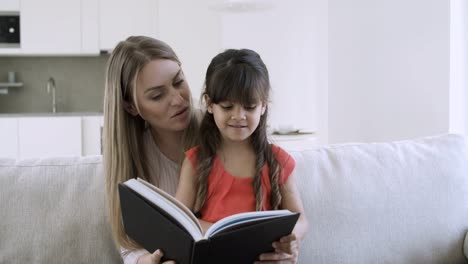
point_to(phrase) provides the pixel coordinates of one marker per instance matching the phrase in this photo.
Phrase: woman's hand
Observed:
(286, 251)
(154, 258)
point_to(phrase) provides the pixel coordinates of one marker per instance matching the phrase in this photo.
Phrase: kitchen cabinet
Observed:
(8, 138)
(91, 128)
(119, 19)
(9, 5)
(79, 27)
(49, 137)
(50, 26)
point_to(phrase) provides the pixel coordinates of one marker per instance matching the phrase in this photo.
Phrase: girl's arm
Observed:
(291, 200)
(287, 248)
(187, 183)
(186, 192)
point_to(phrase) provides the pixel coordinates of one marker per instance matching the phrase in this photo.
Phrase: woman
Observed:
(149, 122)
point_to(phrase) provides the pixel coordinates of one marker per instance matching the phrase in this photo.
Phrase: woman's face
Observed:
(163, 96)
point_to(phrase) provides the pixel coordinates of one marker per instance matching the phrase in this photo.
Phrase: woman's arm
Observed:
(287, 248)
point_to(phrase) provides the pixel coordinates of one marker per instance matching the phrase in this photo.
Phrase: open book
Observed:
(155, 219)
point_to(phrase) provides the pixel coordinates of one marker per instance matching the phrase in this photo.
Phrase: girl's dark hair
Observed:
(237, 76)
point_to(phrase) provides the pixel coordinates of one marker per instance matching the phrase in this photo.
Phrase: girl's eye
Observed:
(250, 107)
(226, 107)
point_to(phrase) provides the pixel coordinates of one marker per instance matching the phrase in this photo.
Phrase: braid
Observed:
(275, 172)
(209, 143)
(203, 171)
(257, 183)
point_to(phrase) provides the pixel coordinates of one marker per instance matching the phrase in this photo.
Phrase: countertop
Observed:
(50, 114)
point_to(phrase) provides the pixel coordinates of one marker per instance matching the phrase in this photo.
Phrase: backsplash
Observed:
(79, 84)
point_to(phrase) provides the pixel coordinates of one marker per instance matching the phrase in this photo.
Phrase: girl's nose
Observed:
(238, 113)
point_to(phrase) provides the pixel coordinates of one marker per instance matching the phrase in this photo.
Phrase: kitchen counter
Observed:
(50, 114)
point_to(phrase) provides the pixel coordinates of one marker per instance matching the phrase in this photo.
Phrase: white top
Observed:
(162, 170)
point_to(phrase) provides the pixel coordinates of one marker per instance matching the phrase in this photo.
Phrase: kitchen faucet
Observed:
(51, 89)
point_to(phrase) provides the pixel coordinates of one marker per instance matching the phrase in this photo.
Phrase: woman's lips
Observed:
(181, 112)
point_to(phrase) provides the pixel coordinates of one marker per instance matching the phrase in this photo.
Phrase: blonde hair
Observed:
(124, 156)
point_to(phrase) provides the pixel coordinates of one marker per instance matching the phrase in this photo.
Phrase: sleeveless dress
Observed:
(228, 195)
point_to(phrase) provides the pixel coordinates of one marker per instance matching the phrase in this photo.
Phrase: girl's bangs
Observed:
(240, 84)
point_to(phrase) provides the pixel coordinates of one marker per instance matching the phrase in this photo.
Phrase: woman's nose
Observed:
(177, 98)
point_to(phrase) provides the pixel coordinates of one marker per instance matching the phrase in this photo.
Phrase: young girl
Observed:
(234, 169)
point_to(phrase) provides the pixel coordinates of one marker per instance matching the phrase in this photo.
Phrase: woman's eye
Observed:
(178, 83)
(156, 97)
(250, 107)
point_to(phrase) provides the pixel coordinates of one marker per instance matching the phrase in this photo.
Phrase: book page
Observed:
(173, 200)
(161, 201)
(242, 218)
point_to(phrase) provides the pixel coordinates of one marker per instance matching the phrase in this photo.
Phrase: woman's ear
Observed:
(208, 104)
(129, 108)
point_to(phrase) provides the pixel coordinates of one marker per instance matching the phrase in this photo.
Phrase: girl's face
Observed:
(163, 96)
(236, 122)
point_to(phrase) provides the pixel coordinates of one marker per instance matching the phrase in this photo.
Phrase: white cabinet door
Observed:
(8, 137)
(41, 137)
(9, 5)
(91, 129)
(119, 19)
(50, 26)
(89, 27)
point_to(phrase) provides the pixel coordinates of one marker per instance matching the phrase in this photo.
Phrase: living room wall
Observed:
(389, 69)
(459, 67)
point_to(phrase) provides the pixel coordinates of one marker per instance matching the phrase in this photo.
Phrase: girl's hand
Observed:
(154, 258)
(286, 251)
(205, 225)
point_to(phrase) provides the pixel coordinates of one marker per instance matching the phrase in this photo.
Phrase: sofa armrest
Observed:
(465, 246)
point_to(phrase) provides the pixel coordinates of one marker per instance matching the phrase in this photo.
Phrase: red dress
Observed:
(228, 195)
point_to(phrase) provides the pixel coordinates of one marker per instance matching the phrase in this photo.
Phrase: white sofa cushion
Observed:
(53, 211)
(465, 246)
(400, 202)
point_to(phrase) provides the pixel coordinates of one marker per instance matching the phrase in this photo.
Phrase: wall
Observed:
(459, 67)
(289, 36)
(196, 38)
(388, 69)
(79, 82)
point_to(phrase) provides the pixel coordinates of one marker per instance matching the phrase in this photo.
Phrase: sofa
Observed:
(391, 202)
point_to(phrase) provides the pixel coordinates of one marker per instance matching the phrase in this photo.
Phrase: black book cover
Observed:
(153, 228)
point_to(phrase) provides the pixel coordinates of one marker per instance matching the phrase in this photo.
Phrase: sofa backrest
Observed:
(398, 202)
(53, 211)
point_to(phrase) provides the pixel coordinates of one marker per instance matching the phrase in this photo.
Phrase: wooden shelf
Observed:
(4, 87)
(8, 85)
